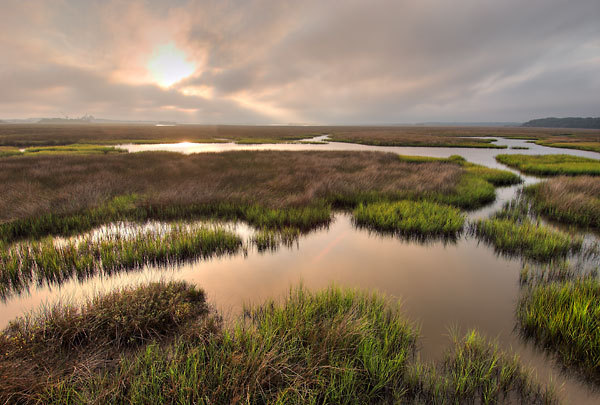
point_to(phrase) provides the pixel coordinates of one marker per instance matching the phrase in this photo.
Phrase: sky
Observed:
(308, 62)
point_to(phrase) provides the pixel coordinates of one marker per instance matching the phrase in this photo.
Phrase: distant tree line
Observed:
(570, 122)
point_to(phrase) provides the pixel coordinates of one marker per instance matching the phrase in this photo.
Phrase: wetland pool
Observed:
(442, 284)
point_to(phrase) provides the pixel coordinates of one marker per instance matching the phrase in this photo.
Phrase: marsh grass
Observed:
(411, 218)
(266, 189)
(557, 271)
(23, 135)
(74, 148)
(579, 145)
(41, 351)
(477, 371)
(6, 151)
(527, 238)
(568, 200)
(565, 319)
(126, 208)
(332, 346)
(46, 262)
(259, 141)
(391, 138)
(271, 240)
(497, 177)
(552, 165)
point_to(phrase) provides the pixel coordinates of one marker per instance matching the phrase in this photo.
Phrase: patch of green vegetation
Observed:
(471, 192)
(411, 218)
(425, 159)
(40, 350)
(565, 318)
(450, 143)
(589, 146)
(527, 238)
(573, 201)
(6, 151)
(555, 271)
(519, 147)
(334, 346)
(257, 187)
(552, 165)
(74, 148)
(476, 371)
(312, 142)
(48, 262)
(270, 240)
(497, 177)
(124, 208)
(157, 141)
(259, 141)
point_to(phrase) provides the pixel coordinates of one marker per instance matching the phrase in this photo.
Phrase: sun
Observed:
(169, 64)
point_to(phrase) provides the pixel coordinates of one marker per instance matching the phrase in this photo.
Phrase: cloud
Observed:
(268, 61)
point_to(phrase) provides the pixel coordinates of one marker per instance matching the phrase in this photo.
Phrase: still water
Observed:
(442, 285)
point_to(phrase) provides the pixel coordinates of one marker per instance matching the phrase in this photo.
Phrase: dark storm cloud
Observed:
(310, 61)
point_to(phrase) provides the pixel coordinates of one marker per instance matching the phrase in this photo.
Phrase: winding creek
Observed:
(443, 285)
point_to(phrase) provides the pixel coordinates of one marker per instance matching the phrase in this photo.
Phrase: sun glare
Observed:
(169, 64)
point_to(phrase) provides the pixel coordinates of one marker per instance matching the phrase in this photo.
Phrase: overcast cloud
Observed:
(321, 62)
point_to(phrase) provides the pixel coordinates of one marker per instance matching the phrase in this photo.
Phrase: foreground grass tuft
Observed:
(333, 346)
(42, 351)
(411, 218)
(476, 371)
(565, 318)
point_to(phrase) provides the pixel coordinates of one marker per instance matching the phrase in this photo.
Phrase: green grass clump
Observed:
(571, 200)
(527, 238)
(411, 218)
(589, 146)
(552, 165)
(6, 151)
(260, 141)
(427, 159)
(476, 371)
(449, 143)
(74, 148)
(334, 346)
(270, 240)
(47, 262)
(471, 192)
(42, 350)
(565, 318)
(497, 177)
(133, 208)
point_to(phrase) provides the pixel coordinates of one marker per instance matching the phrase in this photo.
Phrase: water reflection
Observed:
(482, 156)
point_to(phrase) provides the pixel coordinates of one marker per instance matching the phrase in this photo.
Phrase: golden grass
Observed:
(64, 134)
(574, 200)
(37, 185)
